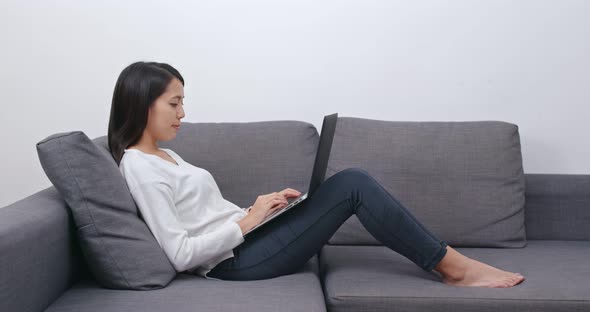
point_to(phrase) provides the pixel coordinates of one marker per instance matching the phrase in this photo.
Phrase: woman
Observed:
(202, 233)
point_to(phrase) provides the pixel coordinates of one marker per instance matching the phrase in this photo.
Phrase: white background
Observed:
(524, 62)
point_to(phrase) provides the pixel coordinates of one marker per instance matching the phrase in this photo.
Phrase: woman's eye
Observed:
(173, 104)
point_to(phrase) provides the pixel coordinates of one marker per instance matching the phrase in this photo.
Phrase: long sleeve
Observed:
(155, 200)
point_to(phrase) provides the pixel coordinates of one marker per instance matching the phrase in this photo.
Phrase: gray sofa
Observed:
(42, 268)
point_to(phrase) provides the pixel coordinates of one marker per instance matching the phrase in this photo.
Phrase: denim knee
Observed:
(350, 179)
(354, 173)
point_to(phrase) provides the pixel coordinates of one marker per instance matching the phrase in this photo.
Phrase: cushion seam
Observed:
(57, 137)
(461, 298)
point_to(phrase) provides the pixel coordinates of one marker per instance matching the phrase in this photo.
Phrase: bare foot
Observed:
(459, 270)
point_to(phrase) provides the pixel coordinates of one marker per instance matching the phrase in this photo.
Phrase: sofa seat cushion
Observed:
(296, 292)
(375, 278)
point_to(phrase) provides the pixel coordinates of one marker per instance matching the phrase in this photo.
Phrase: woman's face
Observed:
(165, 114)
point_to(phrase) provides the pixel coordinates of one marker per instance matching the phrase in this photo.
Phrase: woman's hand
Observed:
(266, 205)
(279, 203)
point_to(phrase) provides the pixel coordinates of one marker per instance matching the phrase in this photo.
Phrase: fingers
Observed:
(275, 198)
(289, 192)
(272, 198)
(278, 202)
(267, 197)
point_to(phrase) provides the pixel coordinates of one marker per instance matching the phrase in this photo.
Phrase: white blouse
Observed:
(182, 206)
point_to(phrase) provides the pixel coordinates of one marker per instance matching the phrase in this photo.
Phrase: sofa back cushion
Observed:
(463, 180)
(558, 206)
(250, 158)
(118, 247)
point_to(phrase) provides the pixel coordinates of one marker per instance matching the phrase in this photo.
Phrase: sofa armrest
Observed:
(557, 206)
(39, 253)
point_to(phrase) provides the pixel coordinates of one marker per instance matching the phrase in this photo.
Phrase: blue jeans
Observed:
(285, 244)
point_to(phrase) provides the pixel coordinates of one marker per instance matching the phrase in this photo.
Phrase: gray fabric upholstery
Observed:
(118, 246)
(39, 255)
(463, 180)
(301, 291)
(558, 206)
(375, 278)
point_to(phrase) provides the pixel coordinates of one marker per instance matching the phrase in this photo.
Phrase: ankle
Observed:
(453, 265)
(453, 274)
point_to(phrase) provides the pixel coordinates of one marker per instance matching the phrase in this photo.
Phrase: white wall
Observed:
(525, 62)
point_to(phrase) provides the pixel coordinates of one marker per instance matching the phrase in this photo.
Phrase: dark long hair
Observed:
(137, 88)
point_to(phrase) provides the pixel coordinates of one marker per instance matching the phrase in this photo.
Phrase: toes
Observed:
(503, 285)
(514, 280)
(500, 283)
(508, 282)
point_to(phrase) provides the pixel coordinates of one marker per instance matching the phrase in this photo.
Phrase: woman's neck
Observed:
(146, 144)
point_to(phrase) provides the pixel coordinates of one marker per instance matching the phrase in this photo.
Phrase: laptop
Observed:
(319, 169)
